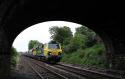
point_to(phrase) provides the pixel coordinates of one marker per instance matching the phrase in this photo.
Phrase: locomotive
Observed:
(49, 52)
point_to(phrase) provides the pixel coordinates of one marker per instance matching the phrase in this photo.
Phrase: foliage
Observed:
(61, 34)
(94, 56)
(33, 43)
(75, 43)
(85, 47)
(88, 34)
(14, 57)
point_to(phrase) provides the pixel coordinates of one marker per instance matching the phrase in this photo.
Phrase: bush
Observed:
(85, 47)
(14, 57)
(94, 56)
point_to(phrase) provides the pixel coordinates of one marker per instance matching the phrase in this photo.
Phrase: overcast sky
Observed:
(39, 32)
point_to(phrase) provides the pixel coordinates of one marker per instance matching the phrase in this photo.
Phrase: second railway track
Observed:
(61, 71)
(88, 73)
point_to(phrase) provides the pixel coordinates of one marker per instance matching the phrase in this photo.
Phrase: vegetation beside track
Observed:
(93, 56)
(85, 47)
(14, 57)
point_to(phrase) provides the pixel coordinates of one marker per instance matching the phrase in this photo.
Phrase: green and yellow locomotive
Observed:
(50, 52)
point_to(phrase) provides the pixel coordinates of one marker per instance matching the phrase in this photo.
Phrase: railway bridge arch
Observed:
(17, 15)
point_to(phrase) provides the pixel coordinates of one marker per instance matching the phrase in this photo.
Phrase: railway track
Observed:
(61, 74)
(88, 73)
(63, 71)
(41, 76)
(43, 72)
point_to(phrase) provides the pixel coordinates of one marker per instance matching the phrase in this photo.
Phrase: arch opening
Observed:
(80, 44)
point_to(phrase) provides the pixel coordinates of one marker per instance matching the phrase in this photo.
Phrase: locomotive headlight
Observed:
(49, 53)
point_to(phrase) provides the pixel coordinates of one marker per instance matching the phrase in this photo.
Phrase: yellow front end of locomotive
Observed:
(52, 51)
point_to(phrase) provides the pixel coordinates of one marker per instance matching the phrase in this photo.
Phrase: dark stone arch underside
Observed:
(17, 15)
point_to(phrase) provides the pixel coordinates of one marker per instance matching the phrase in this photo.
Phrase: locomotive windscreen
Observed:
(53, 46)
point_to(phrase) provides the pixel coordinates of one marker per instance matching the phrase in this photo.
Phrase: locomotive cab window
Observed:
(53, 46)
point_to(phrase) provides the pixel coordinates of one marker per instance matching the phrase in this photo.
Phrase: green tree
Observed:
(88, 34)
(76, 43)
(61, 34)
(85, 48)
(33, 43)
